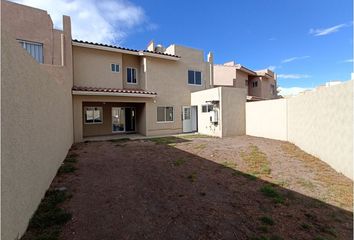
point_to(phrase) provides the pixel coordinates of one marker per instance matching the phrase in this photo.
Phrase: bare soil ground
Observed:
(204, 188)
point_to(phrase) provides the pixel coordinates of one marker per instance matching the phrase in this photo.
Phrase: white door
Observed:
(186, 119)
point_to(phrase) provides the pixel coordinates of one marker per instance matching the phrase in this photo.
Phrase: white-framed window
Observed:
(115, 67)
(35, 49)
(165, 114)
(194, 77)
(207, 108)
(255, 83)
(132, 75)
(93, 115)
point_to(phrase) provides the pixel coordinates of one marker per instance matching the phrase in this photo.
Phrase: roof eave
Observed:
(115, 94)
(104, 48)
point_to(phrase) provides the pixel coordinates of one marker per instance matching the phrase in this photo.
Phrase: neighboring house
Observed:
(260, 84)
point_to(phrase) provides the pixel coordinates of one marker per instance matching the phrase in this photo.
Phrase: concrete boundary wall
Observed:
(36, 132)
(267, 119)
(319, 122)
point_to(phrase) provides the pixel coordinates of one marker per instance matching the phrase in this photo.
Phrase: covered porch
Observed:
(109, 112)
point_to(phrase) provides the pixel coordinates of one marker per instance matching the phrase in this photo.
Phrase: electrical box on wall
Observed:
(214, 116)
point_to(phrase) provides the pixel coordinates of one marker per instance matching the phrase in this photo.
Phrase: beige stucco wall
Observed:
(224, 75)
(231, 111)
(319, 122)
(32, 24)
(36, 131)
(267, 119)
(241, 78)
(92, 68)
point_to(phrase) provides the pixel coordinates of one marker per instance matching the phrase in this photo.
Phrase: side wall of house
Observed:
(224, 75)
(36, 131)
(233, 111)
(319, 122)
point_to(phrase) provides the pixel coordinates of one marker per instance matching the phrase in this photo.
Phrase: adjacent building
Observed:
(260, 85)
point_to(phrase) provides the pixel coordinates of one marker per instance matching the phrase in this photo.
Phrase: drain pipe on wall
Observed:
(211, 69)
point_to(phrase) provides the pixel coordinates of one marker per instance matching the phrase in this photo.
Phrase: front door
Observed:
(189, 118)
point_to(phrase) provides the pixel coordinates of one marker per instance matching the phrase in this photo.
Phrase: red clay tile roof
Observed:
(112, 90)
(122, 48)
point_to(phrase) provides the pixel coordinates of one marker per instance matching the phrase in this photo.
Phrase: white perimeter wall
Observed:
(267, 119)
(36, 133)
(319, 122)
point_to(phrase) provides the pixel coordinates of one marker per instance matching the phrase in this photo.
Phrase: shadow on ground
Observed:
(149, 189)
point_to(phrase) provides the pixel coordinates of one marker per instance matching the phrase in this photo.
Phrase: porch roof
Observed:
(77, 90)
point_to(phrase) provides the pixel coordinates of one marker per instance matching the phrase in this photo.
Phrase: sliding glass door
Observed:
(123, 119)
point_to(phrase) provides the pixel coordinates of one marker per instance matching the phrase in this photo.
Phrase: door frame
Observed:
(195, 118)
(124, 131)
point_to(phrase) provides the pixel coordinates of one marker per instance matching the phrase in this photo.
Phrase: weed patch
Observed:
(166, 140)
(246, 175)
(179, 162)
(46, 222)
(192, 177)
(191, 136)
(200, 146)
(66, 168)
(267, 220)
(229, 165)
(270, 192)
(257, 161)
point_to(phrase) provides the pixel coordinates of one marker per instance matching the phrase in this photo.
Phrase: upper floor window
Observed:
(246, 82)
(115, 67)
(33, 48)
(194, 77)
(255, 84)
(131, 75)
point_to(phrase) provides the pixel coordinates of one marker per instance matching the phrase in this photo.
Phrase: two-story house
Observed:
(260, 84)
(119, 90)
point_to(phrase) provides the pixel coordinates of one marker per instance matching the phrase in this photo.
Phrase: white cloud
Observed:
(105, 21)
(294, 58)
(291, 91)
(293, 76)
(326, 31)
(348, 60)
(272, 68)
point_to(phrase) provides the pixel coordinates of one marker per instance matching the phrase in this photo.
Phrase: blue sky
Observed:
(306, 42)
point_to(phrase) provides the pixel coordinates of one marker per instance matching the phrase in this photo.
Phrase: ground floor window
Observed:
(165, 114)
(207, 108)
(93, 115)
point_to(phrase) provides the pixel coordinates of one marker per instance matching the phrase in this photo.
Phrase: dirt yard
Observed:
(204, 188)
